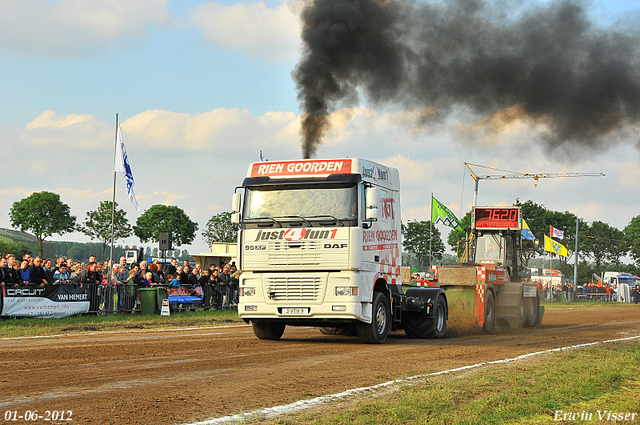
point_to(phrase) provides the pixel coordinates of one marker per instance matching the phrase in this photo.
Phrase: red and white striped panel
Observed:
(482, 273)
(390, 265)
(480, 290)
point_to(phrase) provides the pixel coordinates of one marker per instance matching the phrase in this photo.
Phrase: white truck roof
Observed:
(370, 171)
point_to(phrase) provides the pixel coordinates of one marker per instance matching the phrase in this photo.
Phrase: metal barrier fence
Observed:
(556, 295)
(596, 296)
(119, 298)
(125, 298)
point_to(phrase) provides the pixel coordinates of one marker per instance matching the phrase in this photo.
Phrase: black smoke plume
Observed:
(580, 79)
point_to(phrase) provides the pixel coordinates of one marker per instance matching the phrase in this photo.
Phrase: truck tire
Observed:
(268, 330)
(420, 327)
(523, 311)
(439, 320)
(532, 307)
(489, 312)
(376, 331)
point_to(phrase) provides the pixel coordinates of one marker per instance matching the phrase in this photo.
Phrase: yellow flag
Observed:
(552, 246)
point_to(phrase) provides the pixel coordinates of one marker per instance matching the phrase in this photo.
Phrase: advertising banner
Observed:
(48, 301)
(301, 168)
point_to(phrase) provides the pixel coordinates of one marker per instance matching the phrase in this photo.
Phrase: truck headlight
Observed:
(247, 291)
(345, 291)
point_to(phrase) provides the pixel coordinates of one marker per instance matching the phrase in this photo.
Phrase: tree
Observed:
(42, 213)
(220, 229)
(77, 253)
(163, 219)
(605, 243)
(16, 248)
(539, 219)
(97, 225)
(565, 221)
(536, 217)
(416, 235)
(632, 234)
(456, 236)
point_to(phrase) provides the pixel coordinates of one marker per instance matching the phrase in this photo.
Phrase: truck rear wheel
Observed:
(532, 306)
(417, 326)
(439, 321)
(523, 311)
(489, 312)
(376, 331)
(268, 330)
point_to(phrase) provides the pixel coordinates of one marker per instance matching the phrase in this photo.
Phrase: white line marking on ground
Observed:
(271, 412)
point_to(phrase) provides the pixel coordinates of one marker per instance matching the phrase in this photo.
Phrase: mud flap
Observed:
(466, 309)
(540, 314)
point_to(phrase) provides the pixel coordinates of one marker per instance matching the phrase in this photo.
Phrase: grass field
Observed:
(11, 327)
(589, 381)
(585, 305)
(31, 327)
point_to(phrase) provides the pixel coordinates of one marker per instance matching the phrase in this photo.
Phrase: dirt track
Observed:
(146, 377)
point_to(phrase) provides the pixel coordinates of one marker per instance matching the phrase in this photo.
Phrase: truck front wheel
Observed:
(376, 331)
(268, 330)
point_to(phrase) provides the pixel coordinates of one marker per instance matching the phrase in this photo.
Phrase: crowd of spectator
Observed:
(608, 292)
(552, 291)
(36, 272)
(600, 291)
(220, 284)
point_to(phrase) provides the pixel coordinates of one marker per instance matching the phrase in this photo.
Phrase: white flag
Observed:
(122, 165)
(557, 233)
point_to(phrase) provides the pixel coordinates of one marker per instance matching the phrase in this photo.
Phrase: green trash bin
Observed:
(149, 301)
(562, 298)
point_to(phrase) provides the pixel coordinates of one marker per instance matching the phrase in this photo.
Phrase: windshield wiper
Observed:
(265, 218)
(296, 217)
(330, 216)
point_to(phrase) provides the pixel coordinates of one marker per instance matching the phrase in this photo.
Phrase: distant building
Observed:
(9, 235)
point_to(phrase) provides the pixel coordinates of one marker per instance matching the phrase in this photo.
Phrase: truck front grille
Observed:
(284, 288)
(299, 253)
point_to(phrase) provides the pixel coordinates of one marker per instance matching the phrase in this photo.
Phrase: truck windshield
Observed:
(489, 249)
(308, 203)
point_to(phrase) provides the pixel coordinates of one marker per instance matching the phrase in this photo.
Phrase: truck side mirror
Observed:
(235, 202)
(372, 201)
(235, 218)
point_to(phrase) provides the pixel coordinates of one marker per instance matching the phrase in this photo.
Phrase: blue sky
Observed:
(201, 87)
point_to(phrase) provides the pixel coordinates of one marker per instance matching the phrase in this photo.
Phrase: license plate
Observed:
(295, 310)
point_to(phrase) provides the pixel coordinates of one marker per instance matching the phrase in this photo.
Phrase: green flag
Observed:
(441, 214)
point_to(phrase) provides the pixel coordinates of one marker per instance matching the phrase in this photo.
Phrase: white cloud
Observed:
(256, 29)
(75, 27)
(73, 130)
(195, 161)
(222, 131)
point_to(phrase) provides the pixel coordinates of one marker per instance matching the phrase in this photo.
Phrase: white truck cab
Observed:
(319, 245)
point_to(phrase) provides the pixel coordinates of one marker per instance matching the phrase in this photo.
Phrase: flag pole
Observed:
(113, 202)
(430, 232)
(575, 264)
